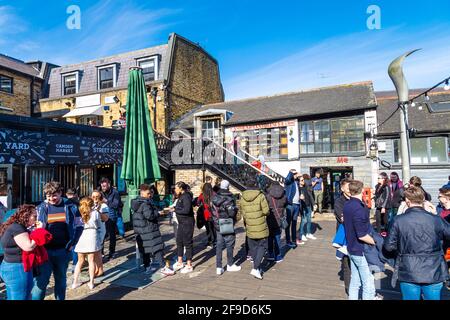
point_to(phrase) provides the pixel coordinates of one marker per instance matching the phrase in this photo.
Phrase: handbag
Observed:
(200, 217)
(226, 226)
(283, 221)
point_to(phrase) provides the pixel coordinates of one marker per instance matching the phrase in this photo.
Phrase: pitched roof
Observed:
(18, 65)
(422, 120)
(88, 79)
(347, 97)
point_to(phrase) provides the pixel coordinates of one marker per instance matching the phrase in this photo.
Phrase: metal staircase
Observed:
(240, 173)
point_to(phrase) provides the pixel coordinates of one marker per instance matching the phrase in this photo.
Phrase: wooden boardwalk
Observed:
(310, 272)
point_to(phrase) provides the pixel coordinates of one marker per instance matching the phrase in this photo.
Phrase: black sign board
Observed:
(38, 148)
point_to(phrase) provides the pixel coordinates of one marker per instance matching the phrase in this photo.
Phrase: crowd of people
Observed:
(40, 241)
(412, 235)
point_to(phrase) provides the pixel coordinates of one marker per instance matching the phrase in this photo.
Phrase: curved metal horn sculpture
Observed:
(395, 71)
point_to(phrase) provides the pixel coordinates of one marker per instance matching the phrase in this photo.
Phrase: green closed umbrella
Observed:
(140, 158)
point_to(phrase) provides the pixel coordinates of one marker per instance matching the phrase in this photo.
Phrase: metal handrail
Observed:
(233, 154)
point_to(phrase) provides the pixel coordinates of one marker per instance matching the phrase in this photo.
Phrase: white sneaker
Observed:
(304, 238)
(233, 268)
(167, 271)
(310, 236)
(219, 271)
(256, 274)
(177, 266)
(187, 269)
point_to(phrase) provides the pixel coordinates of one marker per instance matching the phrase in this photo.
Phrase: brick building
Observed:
(21, 85)
(179, 75)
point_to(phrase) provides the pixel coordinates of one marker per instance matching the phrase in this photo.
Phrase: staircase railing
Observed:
(241, 171)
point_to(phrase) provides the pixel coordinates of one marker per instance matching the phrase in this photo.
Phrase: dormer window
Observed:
(107, 77)
(149, 68)
(70, 83)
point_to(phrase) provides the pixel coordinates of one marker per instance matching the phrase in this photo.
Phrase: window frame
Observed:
(330, 136)
(428, 143)
(156, 65)
(12, 84)
(114, 66)
(63, 82)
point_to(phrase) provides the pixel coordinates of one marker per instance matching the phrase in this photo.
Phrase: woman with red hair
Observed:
(15, 239)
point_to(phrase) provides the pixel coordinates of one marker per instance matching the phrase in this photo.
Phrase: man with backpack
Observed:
(225, 215)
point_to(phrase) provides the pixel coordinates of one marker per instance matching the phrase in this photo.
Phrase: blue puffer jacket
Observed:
(289, 186)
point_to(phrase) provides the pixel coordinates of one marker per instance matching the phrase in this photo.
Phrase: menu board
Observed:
(39, 148)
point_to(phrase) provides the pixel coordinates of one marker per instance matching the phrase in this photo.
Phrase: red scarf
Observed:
(39, 255)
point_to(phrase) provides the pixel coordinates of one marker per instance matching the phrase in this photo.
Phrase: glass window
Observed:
(211, 129)
(397, 157)
(335, 136)
(3, 182)
(419, 151)
(6, 84)
(70, 84)
(148, 69)
(106, 78)
(438, 149)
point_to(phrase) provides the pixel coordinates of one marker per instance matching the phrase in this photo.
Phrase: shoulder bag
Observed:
(283, 221)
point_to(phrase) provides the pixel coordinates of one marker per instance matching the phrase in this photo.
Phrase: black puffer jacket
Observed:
(416, 237)
(145, 224)
(224, 207)
(184, 208)
(277, 201)
(383, 197)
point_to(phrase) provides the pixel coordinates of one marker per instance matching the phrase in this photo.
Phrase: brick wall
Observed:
(194, 80)
(194, 178)
(20, 99)
(113, 113)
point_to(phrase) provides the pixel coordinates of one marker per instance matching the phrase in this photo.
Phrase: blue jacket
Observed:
(72, 218)
(375, 256)
(114, 203)
(289, 186)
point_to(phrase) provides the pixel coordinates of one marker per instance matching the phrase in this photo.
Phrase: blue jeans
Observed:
(18, 282)
(120, 226)
(225, 241)
(274, 246)
(412, 291)
(306, 219)
(391, 216)
(292, 211)
(58, 262)
(361, 275)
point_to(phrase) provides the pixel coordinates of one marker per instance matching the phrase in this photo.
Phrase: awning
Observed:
(85, 111)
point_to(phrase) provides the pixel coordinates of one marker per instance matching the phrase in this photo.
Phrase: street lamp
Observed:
(395, 71)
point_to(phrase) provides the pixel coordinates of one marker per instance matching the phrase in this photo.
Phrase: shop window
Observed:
(424, 150)
(438, 149)
(335, 136)
(6, 84)
(3, 182)
(271, 143)
(39, 177)
(86, 181)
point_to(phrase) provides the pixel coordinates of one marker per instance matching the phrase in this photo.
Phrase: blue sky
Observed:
(263, 47)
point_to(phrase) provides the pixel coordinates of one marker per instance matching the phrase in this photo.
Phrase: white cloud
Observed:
(106, 28)
(351, 58)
